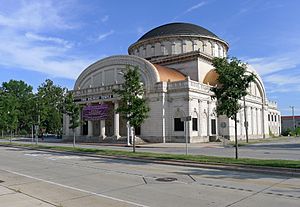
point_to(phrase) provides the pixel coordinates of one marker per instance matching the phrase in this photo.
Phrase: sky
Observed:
(57, 39)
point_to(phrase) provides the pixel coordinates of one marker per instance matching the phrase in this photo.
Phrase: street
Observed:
(39, 178)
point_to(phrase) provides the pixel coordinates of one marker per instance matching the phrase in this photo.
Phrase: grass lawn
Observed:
(180, 157)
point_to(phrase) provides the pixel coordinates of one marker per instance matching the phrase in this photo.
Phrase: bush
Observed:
(286, 132)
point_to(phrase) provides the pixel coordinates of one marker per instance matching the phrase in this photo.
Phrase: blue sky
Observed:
(57, 39)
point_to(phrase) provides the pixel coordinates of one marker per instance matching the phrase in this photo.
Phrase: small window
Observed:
(272, 117)
(268, 117)
(178, 124)
(275, 117)
(195, 124)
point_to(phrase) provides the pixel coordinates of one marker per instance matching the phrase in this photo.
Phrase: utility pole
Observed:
(293, 114)
(245, 118)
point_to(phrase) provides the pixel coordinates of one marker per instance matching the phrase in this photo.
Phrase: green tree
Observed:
(50, 107)
(73, 111)
(133, 105)
(15, 98)
(233, 81)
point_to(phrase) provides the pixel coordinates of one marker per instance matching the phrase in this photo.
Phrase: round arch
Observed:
(147, 70)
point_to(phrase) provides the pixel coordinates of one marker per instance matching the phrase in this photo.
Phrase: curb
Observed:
(291, 172)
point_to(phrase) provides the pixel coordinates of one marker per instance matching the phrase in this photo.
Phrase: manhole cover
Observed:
(167, 179)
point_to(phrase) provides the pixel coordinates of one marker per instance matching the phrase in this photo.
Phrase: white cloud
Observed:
(41, 38)
(196, 6)
(273, 64)
(105, 18)
(283, 79)
(192, 8)
(105, 35)
(18, 51)
(35, 15)
(22, 45)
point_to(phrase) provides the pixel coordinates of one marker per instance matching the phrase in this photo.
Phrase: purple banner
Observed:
(95, 112)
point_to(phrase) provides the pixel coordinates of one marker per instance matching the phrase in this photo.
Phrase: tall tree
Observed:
(73, 111)
(15, 108)
(133, 105)
(233, 81)
(50, 105)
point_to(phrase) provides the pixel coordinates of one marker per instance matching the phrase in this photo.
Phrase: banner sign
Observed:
(95, 112)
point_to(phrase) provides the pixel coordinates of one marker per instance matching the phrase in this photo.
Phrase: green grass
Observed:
(180, 157)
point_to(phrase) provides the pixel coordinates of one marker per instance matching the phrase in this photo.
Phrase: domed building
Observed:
(175, 65)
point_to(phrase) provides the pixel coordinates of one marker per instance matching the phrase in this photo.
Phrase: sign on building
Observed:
(95, 112)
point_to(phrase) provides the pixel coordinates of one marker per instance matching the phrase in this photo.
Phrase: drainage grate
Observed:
(166, 179)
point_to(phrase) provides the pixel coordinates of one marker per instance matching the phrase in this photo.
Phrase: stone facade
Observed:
(189, 57)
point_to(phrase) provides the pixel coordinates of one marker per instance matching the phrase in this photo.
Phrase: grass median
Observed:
(161, 156)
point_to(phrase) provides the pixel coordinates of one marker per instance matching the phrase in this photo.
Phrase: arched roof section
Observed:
(211, 78)
(148, 71)
(169, 74)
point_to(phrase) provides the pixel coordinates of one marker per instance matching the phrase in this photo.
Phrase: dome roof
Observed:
(177, 29)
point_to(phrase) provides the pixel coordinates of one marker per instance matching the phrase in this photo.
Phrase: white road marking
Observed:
(78, 189)
(52, 157)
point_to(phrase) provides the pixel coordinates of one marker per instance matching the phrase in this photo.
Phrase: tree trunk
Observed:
(235, 136)
(10, 136)
(133, 134)
(74, 137)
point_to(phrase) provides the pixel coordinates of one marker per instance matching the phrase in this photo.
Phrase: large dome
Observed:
(177, 29)
(178, 38)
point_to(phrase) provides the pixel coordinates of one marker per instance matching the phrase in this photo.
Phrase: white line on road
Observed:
(78, 189)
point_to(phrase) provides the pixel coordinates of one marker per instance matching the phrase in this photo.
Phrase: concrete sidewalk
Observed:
(14, 198)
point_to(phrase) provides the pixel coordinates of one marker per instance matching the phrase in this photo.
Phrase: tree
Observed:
(15, 98)
(50, 106)
(133, 105)
(73, 111)
(233, 82)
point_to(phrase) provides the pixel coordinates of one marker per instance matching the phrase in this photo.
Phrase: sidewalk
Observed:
(12, 198)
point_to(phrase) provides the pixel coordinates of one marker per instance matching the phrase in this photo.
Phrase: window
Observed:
(178, 124)
(137, 130)
(213, 126)
(275, 116)
(195, 124)
(272, 117)
(268, 117)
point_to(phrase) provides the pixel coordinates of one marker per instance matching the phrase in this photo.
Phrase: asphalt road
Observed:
(65, 180)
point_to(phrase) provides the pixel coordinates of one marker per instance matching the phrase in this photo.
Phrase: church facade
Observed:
(175, 65)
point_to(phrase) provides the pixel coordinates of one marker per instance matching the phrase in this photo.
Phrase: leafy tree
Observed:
(15, 107)
(73, 111)
(133, 105)
(50, 107)
(233, 82)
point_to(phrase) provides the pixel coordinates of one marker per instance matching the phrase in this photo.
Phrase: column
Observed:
(163, 114)
(208, 118)
(102, 129)
(116, 121)
(90, 128)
